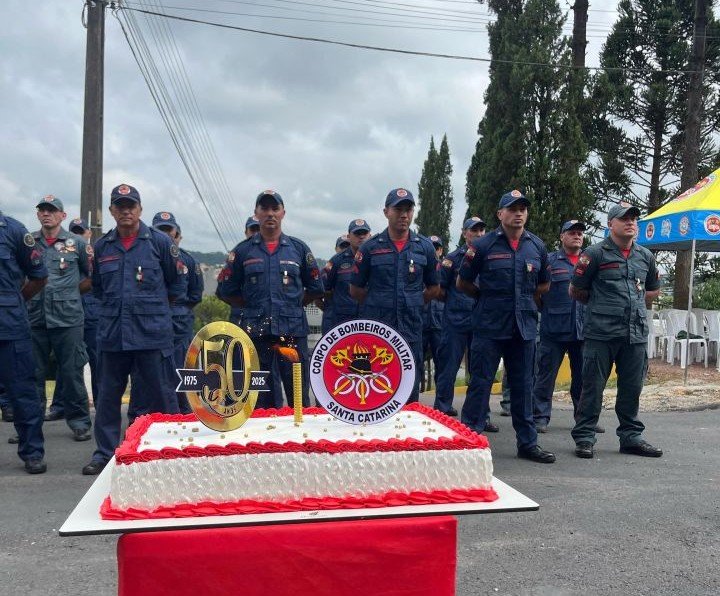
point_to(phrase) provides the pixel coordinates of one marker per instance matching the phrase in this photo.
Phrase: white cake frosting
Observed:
(277, 477)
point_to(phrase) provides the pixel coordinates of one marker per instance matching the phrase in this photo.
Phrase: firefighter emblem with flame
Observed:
(362, 371)
(356, 374)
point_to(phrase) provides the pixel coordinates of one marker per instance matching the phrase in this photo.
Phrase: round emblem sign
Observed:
(666, 228)
(684, 225)
(650, 231)
(221, 376)
(712, 224)
(362, 371)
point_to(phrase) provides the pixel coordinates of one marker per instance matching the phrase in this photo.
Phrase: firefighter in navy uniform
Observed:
(271, 276)
(22, 275)
(561, 328)
(135, 278)
(339, 305)
(506, 270)
(618, 280)
(432, 321)
(191, 282)
(456, 336)
(395, 274)
(91, 307)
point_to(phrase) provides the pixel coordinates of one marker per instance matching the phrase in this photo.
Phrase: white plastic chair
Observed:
(657, 332)
(677, 322)
(713, 322)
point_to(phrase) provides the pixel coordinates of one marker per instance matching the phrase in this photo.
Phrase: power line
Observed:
(405, 52)
(175, 100)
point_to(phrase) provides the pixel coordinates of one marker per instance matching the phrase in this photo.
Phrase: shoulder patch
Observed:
(89, 250)
(28, 240)
(310, 259)
(358, 256)
(174, 251)
(198, 269)
(584, 260)
(447, 263)
(470, 254)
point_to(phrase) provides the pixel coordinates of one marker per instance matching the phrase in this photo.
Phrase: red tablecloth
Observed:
(388, 557)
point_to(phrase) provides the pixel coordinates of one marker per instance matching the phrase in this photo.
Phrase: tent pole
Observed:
(687, 324)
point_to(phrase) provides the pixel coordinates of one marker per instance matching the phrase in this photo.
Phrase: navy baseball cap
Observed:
(269, 193)
(621, 210)
(124, 192)
(164, 219)
(398, 195)
(437, 241)
(358, 224)
(471, 222)
(51, 201)
(573, 224)
(252, 222)
(78, 224)
(512, 197)
(342, 242)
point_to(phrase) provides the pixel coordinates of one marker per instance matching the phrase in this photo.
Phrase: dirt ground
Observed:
(665, 390)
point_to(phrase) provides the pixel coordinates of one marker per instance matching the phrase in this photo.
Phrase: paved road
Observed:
(616, 524)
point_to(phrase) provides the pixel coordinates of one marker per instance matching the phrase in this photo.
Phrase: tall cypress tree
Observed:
(530, 136)
(435, 196)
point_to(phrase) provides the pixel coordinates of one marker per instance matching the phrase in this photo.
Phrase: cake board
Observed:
(85, 519)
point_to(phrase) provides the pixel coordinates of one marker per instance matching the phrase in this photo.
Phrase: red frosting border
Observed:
(127, 452)
(248, 506)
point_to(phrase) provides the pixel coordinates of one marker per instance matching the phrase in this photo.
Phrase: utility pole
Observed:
(92, 154)
(579, 36)
(691, 148)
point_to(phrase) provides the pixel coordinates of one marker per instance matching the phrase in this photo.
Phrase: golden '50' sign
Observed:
(221, 376)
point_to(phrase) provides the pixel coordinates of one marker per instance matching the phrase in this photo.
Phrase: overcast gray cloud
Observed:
(332, 129)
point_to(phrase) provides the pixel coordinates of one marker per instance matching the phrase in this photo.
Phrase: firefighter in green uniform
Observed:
(618, 280)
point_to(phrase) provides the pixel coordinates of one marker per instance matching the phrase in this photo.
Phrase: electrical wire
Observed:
(409, 52)
(166, 78)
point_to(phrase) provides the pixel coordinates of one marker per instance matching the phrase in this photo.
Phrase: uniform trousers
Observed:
(154, 392)
(431, 341)
(630, 364)
(453, 345)
(271, 359)
(550, 355)
(17, 374)
(71, 356)
(518, 356)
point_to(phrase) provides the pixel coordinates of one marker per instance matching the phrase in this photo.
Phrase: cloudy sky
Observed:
(331, 128)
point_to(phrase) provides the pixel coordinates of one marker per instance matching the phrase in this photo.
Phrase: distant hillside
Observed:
(208, 258)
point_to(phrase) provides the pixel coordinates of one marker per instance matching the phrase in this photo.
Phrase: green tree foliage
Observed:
(530, 136)
(638, 113)
(209, 310)
(435, 196)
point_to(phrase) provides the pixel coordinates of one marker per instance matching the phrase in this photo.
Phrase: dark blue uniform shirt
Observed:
(458, 305)
(133, 287)
(507, 280)
(272, 285)
(561, 318)
(191, 288)
(395, 281)
(20, 257)
(336, 276)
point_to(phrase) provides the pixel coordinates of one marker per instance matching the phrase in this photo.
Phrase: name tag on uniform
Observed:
(498, 255)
